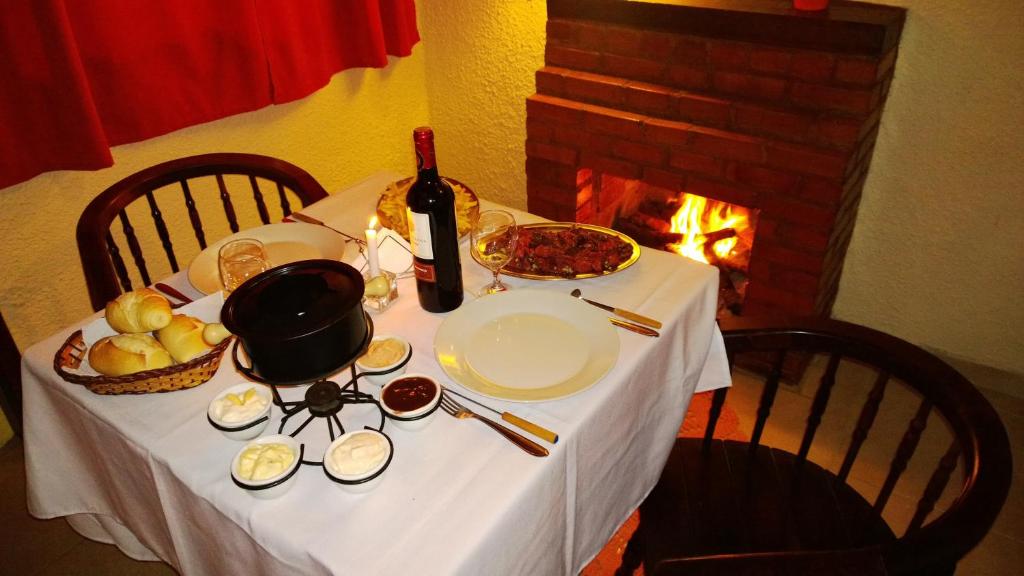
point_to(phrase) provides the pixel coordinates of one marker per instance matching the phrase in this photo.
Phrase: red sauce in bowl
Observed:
(409, 393)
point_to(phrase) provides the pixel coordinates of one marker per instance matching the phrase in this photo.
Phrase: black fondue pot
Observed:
(298, 322)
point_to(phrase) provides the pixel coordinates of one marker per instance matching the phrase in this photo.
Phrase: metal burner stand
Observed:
(326, 398)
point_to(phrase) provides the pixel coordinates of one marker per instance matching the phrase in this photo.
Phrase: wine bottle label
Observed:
(419, 235)
(424, 272)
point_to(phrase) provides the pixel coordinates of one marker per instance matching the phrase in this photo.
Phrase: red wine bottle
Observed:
(433, 231)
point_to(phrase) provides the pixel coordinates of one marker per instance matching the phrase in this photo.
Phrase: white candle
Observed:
(371, 245)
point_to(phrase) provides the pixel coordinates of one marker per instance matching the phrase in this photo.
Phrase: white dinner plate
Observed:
(526, 345)
(285, 243)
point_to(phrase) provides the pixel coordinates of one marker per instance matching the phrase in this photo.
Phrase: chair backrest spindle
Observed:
(162, 231)
(120, 270)
(193, 215)
(257, 195)
(282, 198)
(908, 444)
(825, 385)
(717, 403)
(764, 407)
(229, 207)
(864, 422)
(936, 484)
(135, 249)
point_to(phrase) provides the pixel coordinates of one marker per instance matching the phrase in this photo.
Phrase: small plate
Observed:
(391, 206)
(285, 243)
(614, 237)
(526, 345)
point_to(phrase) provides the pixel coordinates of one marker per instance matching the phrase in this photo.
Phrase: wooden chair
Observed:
(103, 262)
(10, 378)
(727, 507)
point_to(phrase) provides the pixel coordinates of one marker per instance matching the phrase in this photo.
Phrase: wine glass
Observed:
(239, 260)
(493, 240)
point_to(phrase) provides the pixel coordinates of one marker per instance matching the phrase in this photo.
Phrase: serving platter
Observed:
(285, 243)
(391, 206)
(571, 260)
(526, 345)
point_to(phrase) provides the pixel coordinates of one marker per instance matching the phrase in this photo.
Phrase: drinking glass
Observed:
(493, 240)
(240, 260)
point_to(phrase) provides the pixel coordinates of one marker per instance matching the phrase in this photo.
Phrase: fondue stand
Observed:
(324, 398)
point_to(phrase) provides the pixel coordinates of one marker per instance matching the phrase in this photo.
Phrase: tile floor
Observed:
(30, 547)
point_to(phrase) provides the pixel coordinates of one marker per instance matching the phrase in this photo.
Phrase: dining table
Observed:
(149, 473)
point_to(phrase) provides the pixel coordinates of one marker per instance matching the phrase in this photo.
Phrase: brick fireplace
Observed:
(741, 101)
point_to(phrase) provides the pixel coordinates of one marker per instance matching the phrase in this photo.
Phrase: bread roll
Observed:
(138, 311)
(128, 353)
(215, 333)
(183, 338)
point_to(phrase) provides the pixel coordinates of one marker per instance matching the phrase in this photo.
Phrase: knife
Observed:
(511, 418)
(634, 327)
(172, 292)
(624, 313)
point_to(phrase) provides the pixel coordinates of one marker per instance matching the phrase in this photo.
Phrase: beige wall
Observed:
(481, 59)
(935, 256)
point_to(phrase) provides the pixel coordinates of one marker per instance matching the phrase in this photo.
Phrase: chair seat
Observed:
(729, 501)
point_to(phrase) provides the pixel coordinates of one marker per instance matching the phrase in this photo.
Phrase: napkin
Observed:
(393, 253)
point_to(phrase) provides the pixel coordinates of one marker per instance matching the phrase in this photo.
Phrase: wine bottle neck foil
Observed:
(423, 138)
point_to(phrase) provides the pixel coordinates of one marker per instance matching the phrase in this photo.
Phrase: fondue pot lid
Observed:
(293, 300)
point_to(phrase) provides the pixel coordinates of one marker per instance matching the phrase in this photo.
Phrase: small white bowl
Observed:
(386, 373)
(244, 429)
(416, 418)
(276, 485)
(357, 483)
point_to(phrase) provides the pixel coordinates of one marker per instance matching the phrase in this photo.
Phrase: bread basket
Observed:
(176, 377)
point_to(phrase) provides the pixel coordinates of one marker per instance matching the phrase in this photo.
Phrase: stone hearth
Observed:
(744, 101)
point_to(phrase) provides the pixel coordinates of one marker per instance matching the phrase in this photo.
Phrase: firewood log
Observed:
(656, 224)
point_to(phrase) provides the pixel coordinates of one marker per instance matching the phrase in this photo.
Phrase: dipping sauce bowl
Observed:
(240, 414)
(411, 400)
(386, 357)
(356, 461)
(262, 467)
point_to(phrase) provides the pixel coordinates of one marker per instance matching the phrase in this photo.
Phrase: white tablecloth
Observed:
(149, 473)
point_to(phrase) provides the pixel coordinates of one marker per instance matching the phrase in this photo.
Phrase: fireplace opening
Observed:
(693, 226)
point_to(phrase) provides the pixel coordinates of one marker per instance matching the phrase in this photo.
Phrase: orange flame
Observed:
(694, 220)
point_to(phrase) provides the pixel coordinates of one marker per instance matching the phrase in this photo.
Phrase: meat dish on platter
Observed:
(570, 251)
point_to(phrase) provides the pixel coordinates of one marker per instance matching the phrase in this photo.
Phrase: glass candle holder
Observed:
(381, 291)
(239, 260)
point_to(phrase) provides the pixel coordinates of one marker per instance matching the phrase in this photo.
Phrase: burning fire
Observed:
(699, 223)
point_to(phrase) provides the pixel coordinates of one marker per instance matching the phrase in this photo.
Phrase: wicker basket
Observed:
(176, 377)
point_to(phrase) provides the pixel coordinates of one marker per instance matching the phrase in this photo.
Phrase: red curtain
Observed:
(80, 76)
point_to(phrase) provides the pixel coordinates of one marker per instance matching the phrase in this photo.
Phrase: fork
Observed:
(317, 222)
(459, 411)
